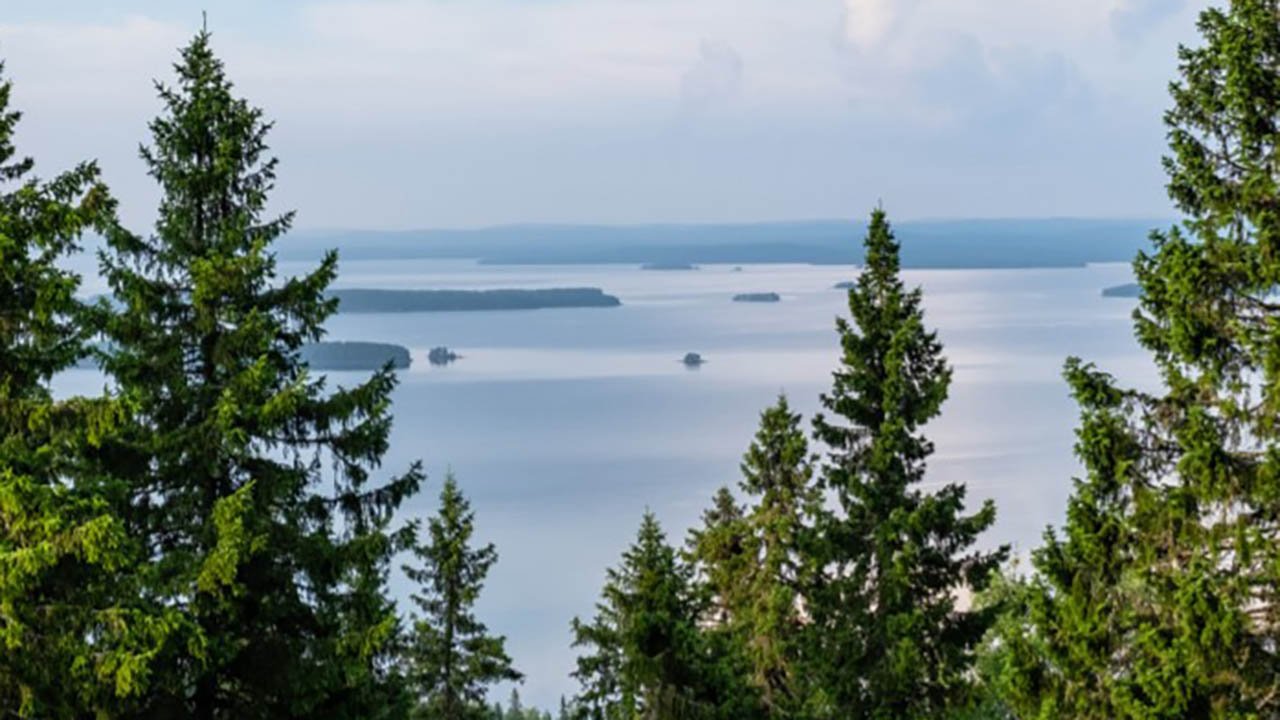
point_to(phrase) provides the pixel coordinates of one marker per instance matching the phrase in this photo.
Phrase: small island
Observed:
(1128, 290)
(757, 297)
(363, 300)
(846, 285)
(692, 359)
(441, 356)
(354, 355)
(668, 266)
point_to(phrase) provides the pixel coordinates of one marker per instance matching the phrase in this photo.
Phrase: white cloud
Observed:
(869, 22)
(420, 112)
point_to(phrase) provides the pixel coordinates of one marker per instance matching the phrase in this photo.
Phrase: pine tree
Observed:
(1162, 598)
(73, 641)
(888, 633)
(275, 565)
(644, 658)
(452, 657)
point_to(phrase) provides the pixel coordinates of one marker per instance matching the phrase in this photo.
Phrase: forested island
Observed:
(757, 297)
(692, 359)
(668, 266)
(363, 300)
(355, 355)
(441, 356)
(1128, 290)
(847, 284)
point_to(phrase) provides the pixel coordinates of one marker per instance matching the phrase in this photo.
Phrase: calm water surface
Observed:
(564, 425)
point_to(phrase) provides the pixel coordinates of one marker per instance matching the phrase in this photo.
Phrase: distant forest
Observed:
(359, 300)
(1062, 242)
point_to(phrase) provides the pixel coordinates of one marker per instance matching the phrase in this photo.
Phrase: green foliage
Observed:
(517, 711)
(754, 566)
(248, 482)
(645, 657)
(1160, 599)
(452, 659)
(73, 639)
(889, 638)
(777, 471)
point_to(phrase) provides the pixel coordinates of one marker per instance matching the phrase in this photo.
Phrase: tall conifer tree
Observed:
(893, 640)
(1162, 597)
(250, 480)
(73, 639)
(452, 658)
(754, 564)
(777, 473)
(645, 658)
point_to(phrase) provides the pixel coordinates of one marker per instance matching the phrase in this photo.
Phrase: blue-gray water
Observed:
(564, 425)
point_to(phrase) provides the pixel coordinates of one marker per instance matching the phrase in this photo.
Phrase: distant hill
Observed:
(362, 300)
(1130, 290)
(355, 355)
(1053, 242)
(757, 297)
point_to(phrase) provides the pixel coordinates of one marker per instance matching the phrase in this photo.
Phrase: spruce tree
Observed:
(1162, 597)
(889, 636)
(74, 641)
(754, 564)
(250, 481)
(452, 658)
(777, 473)
(515, 709)
(721, 554)
(644, 658)
(1064, 628)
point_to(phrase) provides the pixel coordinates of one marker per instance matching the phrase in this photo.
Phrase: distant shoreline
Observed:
(366, 300)
(965, 244)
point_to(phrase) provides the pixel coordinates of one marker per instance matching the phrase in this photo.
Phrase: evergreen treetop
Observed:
(276, 567)
(896, 557)
(452, 658)
(646, 657)
(777, 472)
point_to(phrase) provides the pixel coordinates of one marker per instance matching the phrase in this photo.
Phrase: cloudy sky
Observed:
(448, 113)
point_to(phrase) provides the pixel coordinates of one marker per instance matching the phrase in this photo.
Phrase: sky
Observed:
(463, 113)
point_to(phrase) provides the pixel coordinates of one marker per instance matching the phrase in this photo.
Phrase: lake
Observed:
(564, 425)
